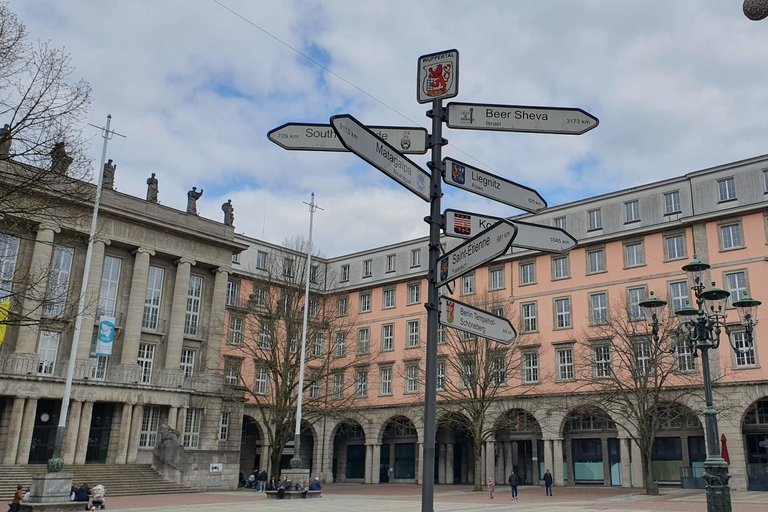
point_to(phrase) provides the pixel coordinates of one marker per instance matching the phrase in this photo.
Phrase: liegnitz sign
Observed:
(322, 137)
(486, 246)
(476, 321)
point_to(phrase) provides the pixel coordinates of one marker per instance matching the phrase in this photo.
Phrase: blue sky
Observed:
(677, 86)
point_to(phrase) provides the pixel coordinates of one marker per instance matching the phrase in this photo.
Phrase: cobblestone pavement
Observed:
(407, 498)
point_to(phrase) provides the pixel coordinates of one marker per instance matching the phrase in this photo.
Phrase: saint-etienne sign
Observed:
(536, 237)
(321, 137)
(358, 139)
(476, 321)
(513, 118)
(438, 76)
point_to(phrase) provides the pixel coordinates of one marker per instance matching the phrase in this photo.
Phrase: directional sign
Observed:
(321, 137)
(514, 118)
(438, 76)
(529, 236)
(480, 323)
(492, 186)
(488, 245)
(357, 138)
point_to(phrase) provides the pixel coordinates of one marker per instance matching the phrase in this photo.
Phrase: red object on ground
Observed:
(724, 449)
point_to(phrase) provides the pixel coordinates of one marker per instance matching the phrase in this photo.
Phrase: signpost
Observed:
(515, 118)
(357, 138)
(476, 321)
(321, 137)
(529, 236)
(492, 186)
(486, 246)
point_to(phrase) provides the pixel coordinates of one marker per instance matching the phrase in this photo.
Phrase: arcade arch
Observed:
(519, 446)
(754, 427)
(349, 452)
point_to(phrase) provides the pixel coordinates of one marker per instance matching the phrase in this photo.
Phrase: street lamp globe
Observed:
(756, 10)
(695, 271)
(714, 298)
(653, 307)
(747, 308)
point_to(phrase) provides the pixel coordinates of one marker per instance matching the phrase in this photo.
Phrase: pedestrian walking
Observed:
(491, 487)
(17, 498)
(548, 483)
(514, 481)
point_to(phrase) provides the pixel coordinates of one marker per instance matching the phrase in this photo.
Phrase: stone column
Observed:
(508, 457)
(637, 468)
(470, 459)
(419, 461)
(571, 464)
(133, 441)
(181, 419)
(125, 429)
(515, 455)
(606, 462)
(686, 453)
(441, 464)
(27, 427)
(216, 321)
(626, 466)
(135, 314)
(535, 460)
(173, 413)
(14, 431)
(368, 463)
(483, 464)
(92, 303)
(549, 462)
(490, 460)
(32, 308)
(178, 312)
(449, 463)
(375, 463)
(86, 413)
(557, 463)
(73, 427)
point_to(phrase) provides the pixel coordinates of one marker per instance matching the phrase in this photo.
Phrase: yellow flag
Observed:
(5, 305)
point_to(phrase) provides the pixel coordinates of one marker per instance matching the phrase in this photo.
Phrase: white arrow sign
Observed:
(357, 138)
(529, 236)
(515, 118)
(476, 321)
(492, 186)
(321, 137)
(488, 245)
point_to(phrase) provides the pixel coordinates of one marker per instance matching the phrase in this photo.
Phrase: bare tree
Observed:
(640, 381)
(336, 365)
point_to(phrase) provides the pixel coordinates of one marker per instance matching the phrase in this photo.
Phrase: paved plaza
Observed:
(407, 498)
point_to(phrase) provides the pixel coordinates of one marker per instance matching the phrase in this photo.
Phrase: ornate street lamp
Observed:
(700, 327)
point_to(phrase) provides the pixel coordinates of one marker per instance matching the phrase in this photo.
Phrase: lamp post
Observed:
(700, 327)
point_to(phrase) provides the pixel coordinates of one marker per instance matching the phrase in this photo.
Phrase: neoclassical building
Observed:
(631, 242)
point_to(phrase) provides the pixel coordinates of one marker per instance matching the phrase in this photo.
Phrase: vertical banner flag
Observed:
(5, 306)
(105, 336)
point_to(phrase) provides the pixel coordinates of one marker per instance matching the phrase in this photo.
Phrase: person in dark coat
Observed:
(548, 483)
(315, 485)
(83, 493)
(514, 481)
(263, 479)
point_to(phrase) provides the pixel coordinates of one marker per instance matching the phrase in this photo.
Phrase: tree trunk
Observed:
(650, 488)
(478, 452)
(274, 458)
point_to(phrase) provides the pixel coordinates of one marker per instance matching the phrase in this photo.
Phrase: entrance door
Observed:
(98, 436)
(384, 464)
(757, 462)
(588, 460)
(356, 461)
(614, 460)
(457, 462)
(44, 432)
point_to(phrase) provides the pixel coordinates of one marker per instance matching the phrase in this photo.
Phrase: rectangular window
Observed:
(363, 340)
(261, 260)
(261, 381)
(236, 257)
(595, 219)
(192, 423)
(58, 283)
(499, 371)
(361, 382)
(563, 313)
(643, 359)
(391, 262)
(388, 298)
(765, 180)
(498, 311)
(598, 308)
(232, 368)
(414, 293)
(745, 353)
(675, 246)
(367, 268)
(530, 321)
(110, 281)
(145, 361)
(678, 295)
(293, 345)
(497, 278)
(314, 389)
(634, 255)
(634, 297)
(387, 337)
(224, 426)
(344, 273)
(259, 297)
(313, 274)
(441, 375)
(560, 223)
(317, 344)
(468, 373)
(632, 211)
(727, 189)
(527, 273)
(672, 202)
(233, 293)
(9, 251)
(736, 284)
(150, 421)
(187, 362)
(565, 364)
(415, 257)
(596, 261)
(342, 306)
(560, 268)
(235, 331)
(265, 334)
(468, 284)
(385, 380)
(684, 360)
(412, 378)
(340, 346)
(601, 360)
(47, 352)
(288, 264)
(365, 302)
(338, 385)
(441, 334)
(730, 236)
(413, 334)
(194, 297)
(530, 367)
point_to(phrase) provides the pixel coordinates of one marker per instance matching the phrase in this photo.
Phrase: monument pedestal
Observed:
(295, 475)
(51, 492)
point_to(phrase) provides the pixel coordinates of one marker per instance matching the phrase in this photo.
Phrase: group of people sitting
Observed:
(258, 480)
(285, 484)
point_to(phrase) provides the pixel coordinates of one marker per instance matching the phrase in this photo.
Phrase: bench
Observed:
(294, 495)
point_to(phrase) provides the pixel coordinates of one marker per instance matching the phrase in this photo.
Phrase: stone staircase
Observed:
(120, 480)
